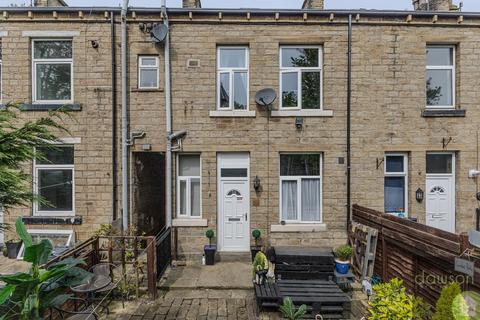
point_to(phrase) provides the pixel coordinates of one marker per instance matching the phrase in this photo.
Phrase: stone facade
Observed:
(388, 90)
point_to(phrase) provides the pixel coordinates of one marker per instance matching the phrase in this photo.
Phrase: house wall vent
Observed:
(193, 63)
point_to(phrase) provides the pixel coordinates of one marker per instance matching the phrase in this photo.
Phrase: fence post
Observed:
(152, 267)
(384, 258)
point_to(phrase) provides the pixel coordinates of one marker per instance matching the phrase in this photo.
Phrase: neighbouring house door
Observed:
(440, 191)
(233, 202)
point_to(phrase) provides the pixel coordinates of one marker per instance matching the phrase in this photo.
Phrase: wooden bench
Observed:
(267, 296)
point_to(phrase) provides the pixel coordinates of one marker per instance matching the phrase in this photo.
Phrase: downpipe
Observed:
(349, 109)
(124, 124)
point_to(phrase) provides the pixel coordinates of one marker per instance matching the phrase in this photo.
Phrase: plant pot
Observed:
(210, 251)
(342, 267)
(254, 250)
(12, 249)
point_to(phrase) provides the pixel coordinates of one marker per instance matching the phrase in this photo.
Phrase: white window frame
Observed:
(188, 180)
(70, 240)
(36, 168)
(231, 72)
(142, 67)
(36, 61)
(299, 71)
(403, 174)
(445, 67)
(298, 179)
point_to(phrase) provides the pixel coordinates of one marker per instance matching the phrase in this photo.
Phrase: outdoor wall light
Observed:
(256, 183)
(419, 195)
(95, 44)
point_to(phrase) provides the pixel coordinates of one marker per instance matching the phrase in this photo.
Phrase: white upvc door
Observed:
(233, 202)
(440, 197)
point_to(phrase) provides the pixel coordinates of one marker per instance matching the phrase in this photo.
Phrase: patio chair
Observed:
(106, 270)
(81, 310)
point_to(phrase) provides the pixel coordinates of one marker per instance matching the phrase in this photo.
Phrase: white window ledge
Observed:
(229, 113)
(190, 222)
(313, 227)
(3, 33)
(302, 113)
(52, 33)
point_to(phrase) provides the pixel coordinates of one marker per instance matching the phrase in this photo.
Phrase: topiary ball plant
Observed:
(209, 234)
(256, 235)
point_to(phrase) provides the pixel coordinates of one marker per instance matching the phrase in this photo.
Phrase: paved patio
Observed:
(11, 266)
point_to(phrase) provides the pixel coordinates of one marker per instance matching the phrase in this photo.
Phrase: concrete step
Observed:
(234, 257)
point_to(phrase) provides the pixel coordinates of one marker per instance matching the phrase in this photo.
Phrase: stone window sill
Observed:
(232, 114)
(36, 220)
(311, 227)
(50, 107)
(302, 113)
(438, 113)
(147, 90)
(190, 222)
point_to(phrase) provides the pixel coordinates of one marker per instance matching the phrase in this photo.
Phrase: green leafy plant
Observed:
(259, 263)
(256, 235)
(443, 308)
(421, 309)
(29, 295)
(289, 310)
(343, 253)
(209, 234)
(390, 301)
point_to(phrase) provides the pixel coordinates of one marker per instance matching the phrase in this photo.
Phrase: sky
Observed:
(469, 5)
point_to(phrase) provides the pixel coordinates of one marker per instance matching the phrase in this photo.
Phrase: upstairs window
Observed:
(232, 78)
(301, 77)
(300, 187)
(395, 188)
(52, 71)
(440, 81)
(148, 73)
(189, 187)
(54, 181)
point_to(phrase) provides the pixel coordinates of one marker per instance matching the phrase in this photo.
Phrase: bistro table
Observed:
(96, 283)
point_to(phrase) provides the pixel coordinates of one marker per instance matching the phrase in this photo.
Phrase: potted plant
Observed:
(210, 249)
(260, 268)
(342, 261)
(13, 245)
(256, 248)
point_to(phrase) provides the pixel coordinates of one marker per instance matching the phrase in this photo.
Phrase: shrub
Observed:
(343, 253)
(289, 310)
(390, 301)
(259, 263)
(256, 235)
(443, 308)
(421, 309)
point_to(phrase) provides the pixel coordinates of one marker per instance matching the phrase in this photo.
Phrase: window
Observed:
(439, 163)
(188, 186)
(301, 77)
(395, 188)
(232, 78)
(300, 187)
(54, 181)
(52, 71)
(148, 74)
(61, 240)
(440, 81)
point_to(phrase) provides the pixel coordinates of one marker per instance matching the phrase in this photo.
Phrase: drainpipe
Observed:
(114, 118)
(168, 116)
(125, 202)
(349, 107)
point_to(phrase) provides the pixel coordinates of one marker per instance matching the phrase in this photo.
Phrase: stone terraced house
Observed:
(411, 135)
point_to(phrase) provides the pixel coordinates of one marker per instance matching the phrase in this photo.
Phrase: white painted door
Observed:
(440, 192)
(235, 215)
(233, 202)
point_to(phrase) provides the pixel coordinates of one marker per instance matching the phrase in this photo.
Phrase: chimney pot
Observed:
(432, 5)
(191, 4)
(313, 4)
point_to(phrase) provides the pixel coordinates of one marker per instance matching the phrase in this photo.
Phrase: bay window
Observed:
(188, 186)
(52, 70)
(54, 181)
(300, 188)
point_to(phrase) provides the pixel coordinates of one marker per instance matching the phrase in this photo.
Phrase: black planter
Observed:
(210, 254)
(12, 249)
(254, 250)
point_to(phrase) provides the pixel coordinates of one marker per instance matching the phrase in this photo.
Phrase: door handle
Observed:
(246, 216)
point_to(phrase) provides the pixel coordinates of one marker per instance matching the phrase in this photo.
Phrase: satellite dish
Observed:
(159, 33)
(265, 97)
(474, 238)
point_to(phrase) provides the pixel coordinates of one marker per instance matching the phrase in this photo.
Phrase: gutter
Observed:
(125, 142)
(349, 109)
(114, 119)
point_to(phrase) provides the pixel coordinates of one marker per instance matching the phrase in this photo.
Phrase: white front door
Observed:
(233, 202)
(440, 191)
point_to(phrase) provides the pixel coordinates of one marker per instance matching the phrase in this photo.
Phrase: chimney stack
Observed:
(433, 5)
(313, 4)
(49, 3)
(191, 4)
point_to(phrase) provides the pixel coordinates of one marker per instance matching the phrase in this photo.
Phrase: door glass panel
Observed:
(195, 197)
(394, 194)
(234, 173)
(439, 163)
(289, 200)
